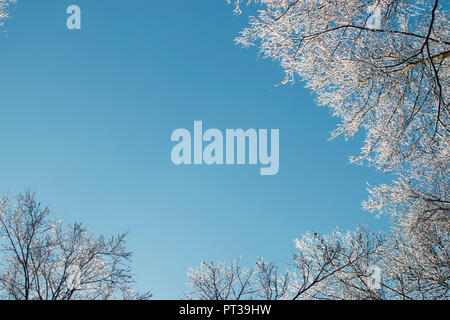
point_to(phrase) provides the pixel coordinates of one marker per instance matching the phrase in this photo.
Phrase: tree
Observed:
(4, 14)
(380, 65)
(220, 281)
(46, 260)
(333, 266)
(223, 281)
(416, 262)
(358, 265)
(336, 266)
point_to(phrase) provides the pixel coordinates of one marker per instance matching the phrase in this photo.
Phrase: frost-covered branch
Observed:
(381, 66)
(46, 260)
(221, 281)
(358, 265)
(4, 13)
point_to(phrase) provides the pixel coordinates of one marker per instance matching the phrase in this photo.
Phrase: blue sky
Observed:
(86, 118)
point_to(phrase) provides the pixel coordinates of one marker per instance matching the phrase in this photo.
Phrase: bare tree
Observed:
(46, 260)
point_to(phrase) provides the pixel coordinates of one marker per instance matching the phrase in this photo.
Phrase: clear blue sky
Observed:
(86, 118)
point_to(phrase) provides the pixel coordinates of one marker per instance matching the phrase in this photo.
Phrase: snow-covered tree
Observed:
(332, 266)
(383, 66)
(47, 260)
(221, 281)
(380, 65)
(358, 265)
(4, 13)
(416, 263)
(335, 266)
(232, 281)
